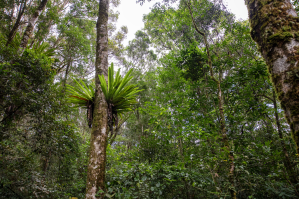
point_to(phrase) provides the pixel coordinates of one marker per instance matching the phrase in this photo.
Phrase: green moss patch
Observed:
(280, 36)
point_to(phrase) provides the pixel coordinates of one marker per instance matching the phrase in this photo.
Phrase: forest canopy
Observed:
(198, 105)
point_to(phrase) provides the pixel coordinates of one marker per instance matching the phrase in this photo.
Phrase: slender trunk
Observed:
(66, 73)
(99, 133)
(31, 23)
(11, 14)
(14, 29)
(286, 161)
(180, 143)
(231, 175)
(46, 162)
(39, 37)
(116, 132)
(274, 26)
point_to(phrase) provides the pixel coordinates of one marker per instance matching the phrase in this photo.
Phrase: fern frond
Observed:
(119, 95)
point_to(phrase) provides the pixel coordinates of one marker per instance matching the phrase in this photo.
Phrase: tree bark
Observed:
(31, 23)
(69, 63)
(99, 134)
(274, 27)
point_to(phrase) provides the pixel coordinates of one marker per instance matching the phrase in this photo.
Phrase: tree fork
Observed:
(274, 27)
(99, 134)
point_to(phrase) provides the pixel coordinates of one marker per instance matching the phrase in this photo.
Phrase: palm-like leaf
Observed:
(81, 94)
(118, 93)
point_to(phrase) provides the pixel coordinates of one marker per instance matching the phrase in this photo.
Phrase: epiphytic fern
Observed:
(82, 95)
(119, 95)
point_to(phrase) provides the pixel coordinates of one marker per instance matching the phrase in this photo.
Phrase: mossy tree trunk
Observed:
(99, 134)
(31, 23)
(274, 27)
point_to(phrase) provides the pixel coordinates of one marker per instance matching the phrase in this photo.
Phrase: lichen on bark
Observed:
(274, 26)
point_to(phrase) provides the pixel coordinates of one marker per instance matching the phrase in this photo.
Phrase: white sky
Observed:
(131, 14)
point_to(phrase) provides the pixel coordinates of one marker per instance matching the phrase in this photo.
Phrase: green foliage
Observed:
(39, 146)
(176, 123)
(81, 94)
(118, 94)
(23, 78)
(296, 5)
(167, 143)
(192, 63)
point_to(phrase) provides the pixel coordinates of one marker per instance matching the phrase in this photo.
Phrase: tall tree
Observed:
(218, 81)
(99, 134)
(31, 23)
(274, 27)
(13, 31)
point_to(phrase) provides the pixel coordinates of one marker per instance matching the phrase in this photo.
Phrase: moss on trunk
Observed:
(274, 26)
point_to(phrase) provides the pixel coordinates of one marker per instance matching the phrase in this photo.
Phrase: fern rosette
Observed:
(119, 95)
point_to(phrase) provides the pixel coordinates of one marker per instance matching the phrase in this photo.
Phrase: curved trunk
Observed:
(274, 26)
(99, 134)
(31, 23)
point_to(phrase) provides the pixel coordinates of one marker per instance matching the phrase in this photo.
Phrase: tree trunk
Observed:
(31, 23)
(69, 62)
(39, 38)
(99, 134)
(286, 160)
(274, 26)
(46, 162)
(14, 29)
(231, 175)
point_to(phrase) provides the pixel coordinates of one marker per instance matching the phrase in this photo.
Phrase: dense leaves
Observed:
(170, 144)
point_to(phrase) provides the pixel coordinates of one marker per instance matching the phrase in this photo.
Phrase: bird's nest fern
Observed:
(82, 95)
(119, 95)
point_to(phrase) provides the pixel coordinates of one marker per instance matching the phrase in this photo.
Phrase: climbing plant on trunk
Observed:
(98, 140)
(82, 95)
(119, 97)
